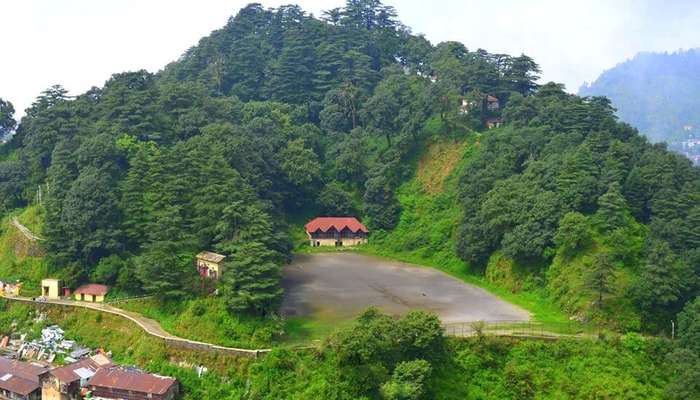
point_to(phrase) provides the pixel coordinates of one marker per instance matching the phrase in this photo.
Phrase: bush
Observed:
(408, 382)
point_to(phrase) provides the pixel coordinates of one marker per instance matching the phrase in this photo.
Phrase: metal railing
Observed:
(520, 329)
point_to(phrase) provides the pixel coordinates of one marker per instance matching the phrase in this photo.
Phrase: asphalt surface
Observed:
(342, 285)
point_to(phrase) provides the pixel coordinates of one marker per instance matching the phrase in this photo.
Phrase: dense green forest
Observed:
(655, 92)
(280, 115)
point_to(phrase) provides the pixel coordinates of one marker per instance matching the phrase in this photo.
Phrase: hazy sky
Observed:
(80, 43)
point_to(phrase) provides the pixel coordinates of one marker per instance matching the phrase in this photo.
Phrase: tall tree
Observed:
(600, 277)
(7, 121)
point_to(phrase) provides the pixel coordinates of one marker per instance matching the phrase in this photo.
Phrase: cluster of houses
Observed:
(84, 373)
(94, 377)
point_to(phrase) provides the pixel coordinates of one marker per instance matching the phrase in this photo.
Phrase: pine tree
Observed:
(612, 208)
(600, 276)
(292, 79)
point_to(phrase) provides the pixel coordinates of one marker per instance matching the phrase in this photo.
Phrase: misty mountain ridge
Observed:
(659, 94)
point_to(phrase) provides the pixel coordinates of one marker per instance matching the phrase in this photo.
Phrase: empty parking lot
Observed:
(341, 285)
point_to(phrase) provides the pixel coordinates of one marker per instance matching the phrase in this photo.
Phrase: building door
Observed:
(46, 291)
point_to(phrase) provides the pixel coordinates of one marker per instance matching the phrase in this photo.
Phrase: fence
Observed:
(551, 330)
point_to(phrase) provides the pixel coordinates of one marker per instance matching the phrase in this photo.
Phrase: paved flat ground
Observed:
(342, 285)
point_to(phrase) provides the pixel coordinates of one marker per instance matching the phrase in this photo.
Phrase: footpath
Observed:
(150, 326)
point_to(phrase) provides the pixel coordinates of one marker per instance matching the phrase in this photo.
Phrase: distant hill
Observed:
(658, 93)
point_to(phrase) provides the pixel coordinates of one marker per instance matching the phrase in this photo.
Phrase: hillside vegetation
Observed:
(21, 258)
(279, 116)
(378, 357)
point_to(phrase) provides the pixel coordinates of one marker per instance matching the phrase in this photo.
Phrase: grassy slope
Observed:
(630, 367)
(426, 232)
(207, 320)
(18, 259)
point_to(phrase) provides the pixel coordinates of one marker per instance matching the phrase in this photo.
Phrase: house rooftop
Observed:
(338, 223)
(131, 380)
(211, 256)
(82, 369)
(20, 377)
(94, 289)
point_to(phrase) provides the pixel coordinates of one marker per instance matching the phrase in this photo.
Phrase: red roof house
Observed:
(93, 292)
(336, 231)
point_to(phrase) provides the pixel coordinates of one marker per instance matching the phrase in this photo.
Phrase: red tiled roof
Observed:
(20, 377)
(339, 223)
(129, 379)
(94, 289)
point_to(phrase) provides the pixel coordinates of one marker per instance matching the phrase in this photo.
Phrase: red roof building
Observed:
(132, 384)
(93, 292)
(20, 380)
(68, 381)
(336, 231)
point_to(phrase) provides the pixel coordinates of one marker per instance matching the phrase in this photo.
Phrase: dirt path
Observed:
(25, 231)
(150, 326)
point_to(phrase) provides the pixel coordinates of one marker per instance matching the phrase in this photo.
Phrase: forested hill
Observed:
(655, 92)
(279, 116)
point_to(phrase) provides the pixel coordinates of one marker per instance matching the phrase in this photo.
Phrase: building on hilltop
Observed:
(492, 103)
(67, 382)
(92, 292)
(132, 384)
(210, 264)
(20, 380)
(493, 123)
(336, 231)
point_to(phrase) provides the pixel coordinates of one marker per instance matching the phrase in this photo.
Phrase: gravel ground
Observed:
(341, 285)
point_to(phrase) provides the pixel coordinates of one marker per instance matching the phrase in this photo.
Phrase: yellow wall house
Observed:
(51, 288)
(91, 292)
(336, 231)
(210, 265)
(10, 289)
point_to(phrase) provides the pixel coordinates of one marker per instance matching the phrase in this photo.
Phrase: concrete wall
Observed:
(191, 345)
(211, 265)
(331, 242)
(89, 298)
(53, 286)
(49, 390)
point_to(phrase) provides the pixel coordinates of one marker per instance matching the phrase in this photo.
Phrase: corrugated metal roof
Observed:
(76, 371)
(130, 379)
(211, 256)
(20, 377)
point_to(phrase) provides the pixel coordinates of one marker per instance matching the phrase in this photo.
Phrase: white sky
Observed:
(80, 43)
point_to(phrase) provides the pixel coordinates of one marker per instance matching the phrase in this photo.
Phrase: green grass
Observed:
(629, 367)
(19, 258)
(208, 320)
(310, 330)
(426, 232)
